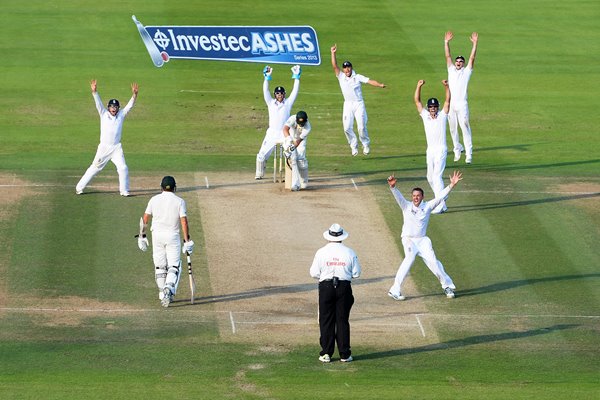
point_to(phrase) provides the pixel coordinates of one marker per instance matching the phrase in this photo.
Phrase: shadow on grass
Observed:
(500, 286)
(468, 341)
(269, 291)
(492, 206)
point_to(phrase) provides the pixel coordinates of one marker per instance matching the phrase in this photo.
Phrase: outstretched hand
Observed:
(391, 180)
(134, 88)
(455, 178)
(93, 85)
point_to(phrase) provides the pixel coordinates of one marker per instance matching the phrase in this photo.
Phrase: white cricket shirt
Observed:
(435, 129)
(279, 112)
(166, 210)
(416, 219)
(335, 259)
(458, 81)
(352, 86)
(111, 127)
(297, 132)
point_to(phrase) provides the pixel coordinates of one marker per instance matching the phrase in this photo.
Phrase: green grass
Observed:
(520, 240)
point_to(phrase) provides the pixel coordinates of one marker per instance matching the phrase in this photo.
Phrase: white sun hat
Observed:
(335, 233)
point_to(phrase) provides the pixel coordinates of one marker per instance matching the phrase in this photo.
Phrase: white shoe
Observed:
(449, 293)
(166, 297)
(398, 297)
(456, 156)
(349, 359)
(354, 152)
(366, 150)
(468, 160)
(78, 191)
(295, 188)
(125, 194)
(258, 177)
(303, 185)
(325, 358)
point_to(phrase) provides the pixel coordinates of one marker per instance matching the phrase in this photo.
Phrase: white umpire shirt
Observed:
(279, 112)
(458, 81)
(335, 259)
(435, 129)
(166, 209)
(297, 132)
(111, 127)
(416, 219)
(352, 86)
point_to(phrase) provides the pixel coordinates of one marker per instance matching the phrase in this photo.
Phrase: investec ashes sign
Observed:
(261, 44)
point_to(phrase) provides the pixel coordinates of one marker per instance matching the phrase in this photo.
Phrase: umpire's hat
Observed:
(168, 183)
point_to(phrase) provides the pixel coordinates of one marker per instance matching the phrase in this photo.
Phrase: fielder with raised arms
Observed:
(109, 149)
(279, 111)
(295, 131)
(168, 213)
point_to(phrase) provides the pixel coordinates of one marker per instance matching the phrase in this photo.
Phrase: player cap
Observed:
(335, 233)
(347, 64)
(168, 183)
(301, 118)
(114, 102)
(433, 102)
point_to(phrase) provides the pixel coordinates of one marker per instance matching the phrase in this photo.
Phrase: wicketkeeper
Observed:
(168, 213)
(295, 132)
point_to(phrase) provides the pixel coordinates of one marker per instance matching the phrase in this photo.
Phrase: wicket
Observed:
(278, 153)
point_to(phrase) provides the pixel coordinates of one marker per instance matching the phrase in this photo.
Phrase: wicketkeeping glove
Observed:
(296, 71)
(188, 247)
(143, 243)
(267, 71)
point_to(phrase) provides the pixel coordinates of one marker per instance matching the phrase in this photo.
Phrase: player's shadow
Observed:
(468, 341)
(501, 286)
(273, 290)
(492, 206)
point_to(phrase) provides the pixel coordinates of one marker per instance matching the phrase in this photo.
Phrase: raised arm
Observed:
(96, 95)
(474, 38)
(447, 101)
(418, 96)
(447, 38)
(336, 69)
(402, 202)
(131, 102)
(454, 179)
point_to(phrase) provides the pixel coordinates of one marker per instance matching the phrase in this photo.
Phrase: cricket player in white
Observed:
(414, 235)
(109, 149)
(435, 133)
(295, 132)
(354, 105)
(280, 108)
(168, 212)
(458, 79)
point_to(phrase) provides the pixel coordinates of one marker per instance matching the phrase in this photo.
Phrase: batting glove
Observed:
(296, 71)
(143, 243)
(291, 148)
(188, 247)
(267, 71)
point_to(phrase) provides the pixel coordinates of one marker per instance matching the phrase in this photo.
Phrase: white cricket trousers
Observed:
(355, 110)
(436, 163)
(299, 162)
(104, 154)
(459, 115)
(272, 137)
(422, 247)
(166, 253)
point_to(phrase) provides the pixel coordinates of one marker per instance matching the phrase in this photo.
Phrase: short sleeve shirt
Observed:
(351, 86)
(166, 209)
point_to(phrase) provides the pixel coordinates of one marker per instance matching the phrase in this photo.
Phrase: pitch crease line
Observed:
(420, 325)
(232, 322)
(354, 183)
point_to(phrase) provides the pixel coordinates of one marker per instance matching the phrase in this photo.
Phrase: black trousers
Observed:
(334, 314)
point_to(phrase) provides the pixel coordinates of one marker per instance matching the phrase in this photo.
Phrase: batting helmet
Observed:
(433, 102)
(347, 64)
(168, 183)
(460, 58)
(279, 89)
(114, 103)
(301, 118)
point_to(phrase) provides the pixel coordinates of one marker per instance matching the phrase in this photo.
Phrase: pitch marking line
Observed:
(354, 183)
(420, 325)
(232, 322)
(206, 180)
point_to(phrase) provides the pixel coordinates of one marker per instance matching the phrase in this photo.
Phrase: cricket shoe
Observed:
(166, 300)
(397, 297)
(125, 194)
(325, 358)
(366, 150)
(449, 293)
(349, 359)
(78, 191)
(468, 160)
(354, 152)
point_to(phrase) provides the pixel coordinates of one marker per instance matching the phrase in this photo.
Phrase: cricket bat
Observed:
(191, 277)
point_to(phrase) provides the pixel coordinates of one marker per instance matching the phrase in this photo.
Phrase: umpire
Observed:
(334, 266)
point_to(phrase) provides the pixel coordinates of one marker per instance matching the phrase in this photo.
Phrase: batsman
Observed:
(168, 213)
(295, 132)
